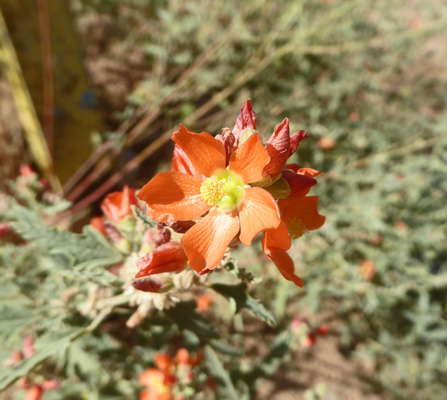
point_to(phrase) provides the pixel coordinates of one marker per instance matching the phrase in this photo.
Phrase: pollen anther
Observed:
(212, 190)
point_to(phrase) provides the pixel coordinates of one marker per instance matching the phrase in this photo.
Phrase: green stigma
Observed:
(224, 189)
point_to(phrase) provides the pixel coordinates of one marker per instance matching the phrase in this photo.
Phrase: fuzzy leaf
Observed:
(244, 300)
(221, 377)
(87, 252)
(185, 317)
(53, 345)
(13, 318)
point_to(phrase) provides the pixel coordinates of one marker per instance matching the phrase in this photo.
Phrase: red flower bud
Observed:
(246, 119)
(169, 257)
(35, 393)
(116, 205)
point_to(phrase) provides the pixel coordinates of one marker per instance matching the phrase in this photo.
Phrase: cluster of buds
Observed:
(306, 333)
(154, 270)
(36, 387)
(177, 378)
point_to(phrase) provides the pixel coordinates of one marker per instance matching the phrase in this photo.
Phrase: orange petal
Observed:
(151, 377)
(303, 208)
(285, 265)
(173, 196)
(181, 163)
(34, 393)
(182, 356)
(205, 243)
(249, 160)
(169, 257)
(309, 172)
(295, 140)
(258, 212)
(206, 154)
(300, 184)
(116, 205)
(278, 147)
(278, 238)
(163, 362)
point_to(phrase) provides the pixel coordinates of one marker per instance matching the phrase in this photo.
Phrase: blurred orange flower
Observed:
(367, 270)
(34, 393)
(154, 379)
(160, 381)
(204, 302)
(116, 205)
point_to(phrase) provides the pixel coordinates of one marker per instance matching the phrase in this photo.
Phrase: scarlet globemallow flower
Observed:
(159, 381)
(117, 205)
(154, 380)
(299, 214)
(232, 205)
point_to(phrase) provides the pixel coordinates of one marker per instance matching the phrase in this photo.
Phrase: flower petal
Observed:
(278, 147)
(249, 160)
(173, 196)
(181, 163)
(169, 257)
(205, 243)
(206, 154)
(300, 184)
(278, 238)
(116, 205)
(246, 119)
(302, 208)
(295, 140)
(258, 212)
(309, 172)
(151, 377)
(285, 265)
(163, 362)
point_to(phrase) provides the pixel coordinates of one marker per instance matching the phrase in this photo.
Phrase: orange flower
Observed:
(169, 257)
(154, 379)
(233, 207)
(162, 381)
(299, 214)
(116, 205)
(367, 270)
(204, 302)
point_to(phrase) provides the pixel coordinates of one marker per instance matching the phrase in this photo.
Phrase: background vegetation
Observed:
(367, 80)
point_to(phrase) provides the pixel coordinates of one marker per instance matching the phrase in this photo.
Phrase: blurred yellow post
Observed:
(75, 117)
(24, 105)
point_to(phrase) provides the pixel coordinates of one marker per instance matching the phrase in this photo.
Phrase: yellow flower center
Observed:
(212, 190)
(296, 228)
(224, 189)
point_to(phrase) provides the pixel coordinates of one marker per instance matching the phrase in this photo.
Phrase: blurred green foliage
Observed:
(359, 72)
